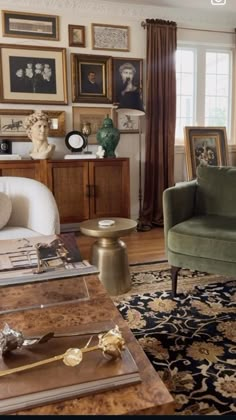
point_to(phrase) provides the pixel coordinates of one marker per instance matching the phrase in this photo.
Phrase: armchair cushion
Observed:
(216, 191)
(207, 237)
(5, 209)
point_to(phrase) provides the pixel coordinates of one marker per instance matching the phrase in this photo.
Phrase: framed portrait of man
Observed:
(91, 78)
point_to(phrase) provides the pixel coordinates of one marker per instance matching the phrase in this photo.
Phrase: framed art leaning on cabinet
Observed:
(32, 74)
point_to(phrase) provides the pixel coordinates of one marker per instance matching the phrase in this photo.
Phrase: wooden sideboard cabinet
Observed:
(83, 188)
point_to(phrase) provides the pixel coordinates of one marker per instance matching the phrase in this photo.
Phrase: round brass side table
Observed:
(109, 253)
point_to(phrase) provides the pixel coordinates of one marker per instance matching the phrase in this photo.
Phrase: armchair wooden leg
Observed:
(174, 277)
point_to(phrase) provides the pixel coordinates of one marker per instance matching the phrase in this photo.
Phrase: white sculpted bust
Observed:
(37, 126)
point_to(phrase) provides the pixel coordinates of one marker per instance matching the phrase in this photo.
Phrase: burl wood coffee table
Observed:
(109, 253)
(150, 396)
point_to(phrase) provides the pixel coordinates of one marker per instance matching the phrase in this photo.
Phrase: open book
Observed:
(37, 259)
(61, 277)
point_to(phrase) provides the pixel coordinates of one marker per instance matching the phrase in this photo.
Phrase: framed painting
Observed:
(30, 25)
(12, 124)
(205, 146)
(127, 77)
(110, 37)
(91, 78)
(126, 123)
(32, 74)
(76, 35)
(57, 123)
(92, 115)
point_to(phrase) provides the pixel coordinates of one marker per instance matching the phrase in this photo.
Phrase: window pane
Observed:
(211, 84)
(223, 63)
(185, 89)
(222, 86)
(217, 88)
(210, 63)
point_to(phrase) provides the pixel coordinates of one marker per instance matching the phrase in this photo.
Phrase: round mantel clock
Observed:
(75, 141)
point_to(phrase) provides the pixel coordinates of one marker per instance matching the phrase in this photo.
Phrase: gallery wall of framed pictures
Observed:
(38, 74)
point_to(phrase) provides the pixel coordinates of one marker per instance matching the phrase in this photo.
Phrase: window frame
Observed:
(199, 94)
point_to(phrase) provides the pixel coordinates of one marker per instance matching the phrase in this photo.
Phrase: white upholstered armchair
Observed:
(33, 210)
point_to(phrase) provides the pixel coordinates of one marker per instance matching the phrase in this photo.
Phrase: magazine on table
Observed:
(26, 260)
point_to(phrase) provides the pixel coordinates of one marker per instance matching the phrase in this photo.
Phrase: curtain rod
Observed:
(144, 25)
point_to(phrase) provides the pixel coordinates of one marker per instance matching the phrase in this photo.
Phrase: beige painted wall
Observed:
(81, 12)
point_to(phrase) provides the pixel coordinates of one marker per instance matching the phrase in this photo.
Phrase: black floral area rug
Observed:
(190, 339)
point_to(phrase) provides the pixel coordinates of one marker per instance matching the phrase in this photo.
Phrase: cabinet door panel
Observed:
(70, 188)
(26, 169)
(26, 173)
(109, 182)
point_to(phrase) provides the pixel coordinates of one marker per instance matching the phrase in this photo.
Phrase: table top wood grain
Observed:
(148, 397)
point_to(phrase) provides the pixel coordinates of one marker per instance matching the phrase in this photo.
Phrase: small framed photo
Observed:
(110, 37)
(12, 124)
(91, 78)
(205, 146)
(93, 115)
(30, 25)
(32, 74)
(76, 35)
(127, 77)
(126, 123)
(57, 125)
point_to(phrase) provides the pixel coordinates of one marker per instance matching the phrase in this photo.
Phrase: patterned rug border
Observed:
(187, 279)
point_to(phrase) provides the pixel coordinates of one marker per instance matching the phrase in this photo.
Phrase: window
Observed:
(204, 78)
(185, 78)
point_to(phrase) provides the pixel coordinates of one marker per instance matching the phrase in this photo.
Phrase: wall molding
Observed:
(105, 9)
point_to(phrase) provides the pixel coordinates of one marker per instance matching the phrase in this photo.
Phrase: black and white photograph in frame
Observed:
(32, 74)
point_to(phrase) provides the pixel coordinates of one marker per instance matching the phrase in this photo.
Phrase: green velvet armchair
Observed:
(200, 223)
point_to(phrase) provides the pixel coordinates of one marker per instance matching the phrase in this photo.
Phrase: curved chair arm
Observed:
(33, 205)
(178, 203)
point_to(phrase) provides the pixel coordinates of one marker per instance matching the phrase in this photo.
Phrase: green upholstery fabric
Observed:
(206, 237)
(200, 222)
(216, 193)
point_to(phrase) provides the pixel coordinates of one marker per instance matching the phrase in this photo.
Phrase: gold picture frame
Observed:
(12, 124)
(76, 35)
(99, 67)
(205, 146)
(110, 37)
(33, 74)
(126, 123)
(58, 123)
(94, 115)
(30, 25)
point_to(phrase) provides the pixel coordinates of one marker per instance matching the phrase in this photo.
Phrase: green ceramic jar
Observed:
(108, 137)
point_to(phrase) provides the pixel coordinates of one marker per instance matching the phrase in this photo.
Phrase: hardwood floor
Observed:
(141, 246)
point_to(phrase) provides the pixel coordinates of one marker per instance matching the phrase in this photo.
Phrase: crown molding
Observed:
(109, 9)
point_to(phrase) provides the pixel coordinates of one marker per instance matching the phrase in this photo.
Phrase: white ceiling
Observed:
(229, 7)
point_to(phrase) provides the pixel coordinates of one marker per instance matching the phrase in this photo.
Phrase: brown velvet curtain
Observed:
(160, 118)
